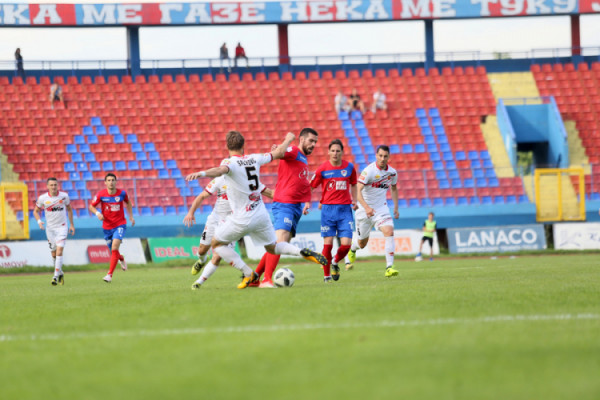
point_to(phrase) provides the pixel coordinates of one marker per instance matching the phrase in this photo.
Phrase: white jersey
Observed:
(243, 185)
(55, 208)
(377, 182)
(222, 207)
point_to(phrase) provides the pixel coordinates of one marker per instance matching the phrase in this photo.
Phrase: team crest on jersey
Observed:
(344, 172)
(116, 199)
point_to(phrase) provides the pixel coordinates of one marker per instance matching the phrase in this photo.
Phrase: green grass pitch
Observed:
(469, 328)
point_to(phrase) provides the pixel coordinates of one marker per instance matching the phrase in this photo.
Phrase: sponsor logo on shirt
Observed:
(340, 185)
(54, 209)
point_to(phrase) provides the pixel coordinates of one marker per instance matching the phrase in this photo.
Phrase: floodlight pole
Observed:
(429, 48)
(133, 50)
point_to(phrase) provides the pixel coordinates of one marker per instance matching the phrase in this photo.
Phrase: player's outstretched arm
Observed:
(270, 193)
(370, 212)
(395, 200)
(354, 193)
(37, 216)
(211, 173)
(129, 208)
(279, 152)
(71, 224)
(190, 219)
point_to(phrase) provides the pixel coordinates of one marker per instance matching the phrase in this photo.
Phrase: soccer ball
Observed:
(284, 277)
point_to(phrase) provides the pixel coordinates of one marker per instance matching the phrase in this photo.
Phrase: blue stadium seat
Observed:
(86, 194)
(442, 139)
(185, 191)
(438, 166)
(132, 138)
(456, 184)
(114, 130)
(95, 166)
(347, 124)
(488, 164)
(419, 148)
(436, 121)
(425, 203)
(92, 139)
(197, 190)
(460, 156)
(498, 199)
(353, 142)
(426, 131)
(450, 165)
(474, 200)
(449, 201)
(511, 199)
(407, 148)
(423, 122)
(69, 167)
(101, 130)
(89, 157)
(79, 139)
(444, 184)
(87, 176)
(453, 173)
(193, 184)
(523, 198)
(366, 141)
(414, 203)
(66, 186)
(363, 133)
(360, 159)
(80, 185)
(206, 209)
(462, 201)
(446, 153)
(107, 166)
(141, 156)
(356, 115)
(171, 164)
(349, 133)
(175, 173)
(478, 173)
(484, 155)
(438, 202)
(72, 148)
(136, 147)
(149, 147)
(120, 166)
(435, 156)
(439, 130)
(469, 183)
(420, 113)
(153, 156)
(402, 203)
(481, 182)
(146, 165)
(96, 121)
(145, 211)
(359, 124)
(119, 139)
(73, 194)
(486, 200)
(490, 173)
(432, 148)
(170, 210)
(369, 150)
(83, 213)
(158, 164)
(133, 166)
(84, 148)
(182, 210)
(158, 210)
(429, 140)
(473, 155)
(76, 158)
(440, 174)
(371, 158)
(87, 130)
(343, 116)
(434, 112)
(180, 183)
(593, 196)
(493, 182)
(136, 212)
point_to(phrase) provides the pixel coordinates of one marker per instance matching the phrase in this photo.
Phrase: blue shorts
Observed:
(114, 233)
(337, 220)
(286, 216)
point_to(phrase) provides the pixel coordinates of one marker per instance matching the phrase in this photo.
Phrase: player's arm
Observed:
(360, 186)
(129, 208)
(306, 209)
(395, 200)
(270, 193)
(211, 173)
(38, 216)
(190, 219)
(70, 215)
(354, 194)
(93, 210)
(279, 152)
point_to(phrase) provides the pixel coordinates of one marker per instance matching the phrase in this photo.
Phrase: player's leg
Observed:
(205, 242)
(60, 240)
(344, 228)
(328, 232)
(50, 235)
(388, 234)
(430, 240)
(286, 218)
(364, 225)
(230, 232)
(327, 248)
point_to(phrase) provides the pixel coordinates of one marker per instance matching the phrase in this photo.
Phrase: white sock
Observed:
(233, 258)
(58, 261)
(203, 257)
(389, 250)
(354, 245)
(347, 260)
(287, 248)
(207, 272)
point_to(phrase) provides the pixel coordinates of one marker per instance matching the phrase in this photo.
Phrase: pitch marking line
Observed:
(301, 327)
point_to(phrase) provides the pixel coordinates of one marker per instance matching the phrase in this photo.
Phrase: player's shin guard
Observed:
(261, 265)
(287, 248)
(355, 245)
(114, 259)
(207, 272)
(341, 253)
(389, 250)
(327, 253)
(233, 258)
(58, 265)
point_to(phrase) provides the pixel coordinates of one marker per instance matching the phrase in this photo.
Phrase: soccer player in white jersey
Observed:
(249, 217)
(220, 212)
(57, 208)
(373, 211)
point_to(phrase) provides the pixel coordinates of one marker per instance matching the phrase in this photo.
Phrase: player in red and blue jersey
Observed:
(338, 180)
(112, 215)
(292, 198)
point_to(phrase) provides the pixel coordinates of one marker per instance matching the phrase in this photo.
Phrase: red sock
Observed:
(327, 253)
(271, 264)
(261, 265)
(341, 253)
(114, 259)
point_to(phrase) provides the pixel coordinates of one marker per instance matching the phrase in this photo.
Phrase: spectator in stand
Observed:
(356, 104)
(378, 101)
(56, 94)
(19, 59)
(224, 55)
(341, 102)
(240, 53)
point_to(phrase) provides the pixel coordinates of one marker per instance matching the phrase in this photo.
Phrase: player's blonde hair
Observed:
(235, 140)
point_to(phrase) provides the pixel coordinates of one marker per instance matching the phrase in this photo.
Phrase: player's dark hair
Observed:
(338, 142)
(235, 140)
(383, 147)
(110, 174)
(51, 179)
(307, 131)
(431, 214)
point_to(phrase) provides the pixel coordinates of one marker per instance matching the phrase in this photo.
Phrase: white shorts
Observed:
(364, 224)
(57, 237)
(260, 229)
(212, 222)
